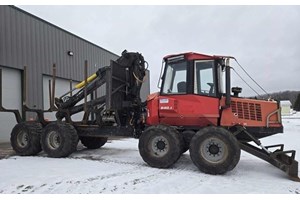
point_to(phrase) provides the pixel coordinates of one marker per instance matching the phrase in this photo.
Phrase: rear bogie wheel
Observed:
(160, 146)
(93, 142)
(59, 139)
(25, 138)
(214, 150)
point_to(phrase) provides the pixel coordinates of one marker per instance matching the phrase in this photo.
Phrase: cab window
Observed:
(204, 78)
(175, 78)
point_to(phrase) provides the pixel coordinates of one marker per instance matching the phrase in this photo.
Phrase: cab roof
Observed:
(196, 56)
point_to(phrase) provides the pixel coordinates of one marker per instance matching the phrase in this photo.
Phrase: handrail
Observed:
(272, 113)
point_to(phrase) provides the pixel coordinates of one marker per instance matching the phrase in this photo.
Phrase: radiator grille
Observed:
(249, 111)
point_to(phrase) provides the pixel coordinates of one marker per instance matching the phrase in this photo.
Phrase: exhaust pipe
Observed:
(228, 84)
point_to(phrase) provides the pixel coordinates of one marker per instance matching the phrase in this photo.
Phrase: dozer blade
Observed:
(278, 158)
(286, 163)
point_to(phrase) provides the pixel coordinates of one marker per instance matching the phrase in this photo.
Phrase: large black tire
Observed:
(187, 137)
(160, 146)
(93, 142)
(25, 138)
(59, 139)
(214, 150)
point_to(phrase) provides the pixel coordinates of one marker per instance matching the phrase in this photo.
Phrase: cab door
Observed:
(188, 96)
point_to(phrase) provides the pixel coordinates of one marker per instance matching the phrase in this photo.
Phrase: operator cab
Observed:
(192, 91)
(193, 73)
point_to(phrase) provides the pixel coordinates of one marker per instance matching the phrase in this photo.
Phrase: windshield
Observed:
(175, 78)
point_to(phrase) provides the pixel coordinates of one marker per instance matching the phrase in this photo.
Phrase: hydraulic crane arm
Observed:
(123, 79)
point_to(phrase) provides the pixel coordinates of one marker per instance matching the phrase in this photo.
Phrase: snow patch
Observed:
(118, 168)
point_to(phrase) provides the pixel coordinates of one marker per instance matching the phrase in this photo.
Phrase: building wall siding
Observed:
(26, 40)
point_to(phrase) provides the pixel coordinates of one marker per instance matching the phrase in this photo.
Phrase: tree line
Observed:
(293, 96)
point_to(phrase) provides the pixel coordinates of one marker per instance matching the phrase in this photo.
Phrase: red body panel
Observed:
(152, 109)
(251, 113)
(182, 110)
(195, 110)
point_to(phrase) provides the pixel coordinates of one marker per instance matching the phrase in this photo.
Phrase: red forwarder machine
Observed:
(194, 111)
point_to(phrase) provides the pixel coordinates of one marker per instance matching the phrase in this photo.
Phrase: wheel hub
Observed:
(159, 146)
(213, 150)
(53, 139)
(22, 139)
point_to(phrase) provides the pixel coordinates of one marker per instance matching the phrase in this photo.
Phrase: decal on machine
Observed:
(166, 108)
(164, 101)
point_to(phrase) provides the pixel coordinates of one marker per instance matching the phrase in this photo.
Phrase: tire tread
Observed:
(34, 130)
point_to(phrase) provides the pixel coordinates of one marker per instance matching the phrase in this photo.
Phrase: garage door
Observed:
(12, 99)
(61, 87)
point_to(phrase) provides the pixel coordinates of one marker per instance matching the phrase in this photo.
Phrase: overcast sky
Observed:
(264, 39)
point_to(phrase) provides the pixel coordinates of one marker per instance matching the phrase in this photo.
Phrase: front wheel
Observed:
(214, 150)
(160, 146)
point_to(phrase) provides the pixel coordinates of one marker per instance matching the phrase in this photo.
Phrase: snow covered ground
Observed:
(118, 168)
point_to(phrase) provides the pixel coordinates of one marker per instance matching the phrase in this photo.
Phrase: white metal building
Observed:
(27, 40)
(285, 107)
